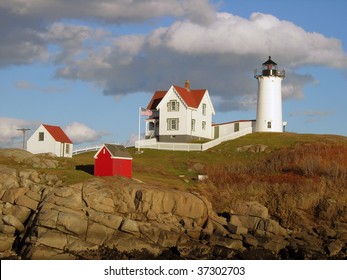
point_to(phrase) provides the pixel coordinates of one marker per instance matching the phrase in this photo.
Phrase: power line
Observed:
(23, 133)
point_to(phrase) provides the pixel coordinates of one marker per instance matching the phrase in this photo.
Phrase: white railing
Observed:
(228, 137)
(170, 146)
(153, 144)
(86, 149)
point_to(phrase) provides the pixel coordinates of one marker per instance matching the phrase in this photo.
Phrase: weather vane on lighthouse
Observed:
(269, 106)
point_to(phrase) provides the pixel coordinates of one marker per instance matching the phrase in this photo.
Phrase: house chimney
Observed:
(187, 85)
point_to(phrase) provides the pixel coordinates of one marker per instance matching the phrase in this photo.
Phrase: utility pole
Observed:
(23, 133)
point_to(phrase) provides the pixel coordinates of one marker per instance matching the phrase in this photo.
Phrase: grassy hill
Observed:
(283, 171)
(289, 162)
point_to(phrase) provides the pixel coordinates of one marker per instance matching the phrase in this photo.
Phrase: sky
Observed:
(89, 65)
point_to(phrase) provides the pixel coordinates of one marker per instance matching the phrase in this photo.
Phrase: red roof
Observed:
(157, 97)
(191, 97)
(57, 133)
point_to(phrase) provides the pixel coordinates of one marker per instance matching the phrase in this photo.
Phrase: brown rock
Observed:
(250, 240)
(48, 218)
(150, 231)
(27, 202)
(6, 229)
(53, 238)
(75, 244)
(98, 234)
(335, 247)
(6, 242)
(21, 213)
(130, 226)
(70, 223)
(168, 239)
(237, 229)
(13, 221)
(109, 220)
(250, 222)
(251, 208)
(227, 242)
(12, 194)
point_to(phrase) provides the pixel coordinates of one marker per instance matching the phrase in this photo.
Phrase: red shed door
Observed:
(103, 164)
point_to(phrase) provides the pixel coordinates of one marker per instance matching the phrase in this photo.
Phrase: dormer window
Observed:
(173, 106)
(204, 109)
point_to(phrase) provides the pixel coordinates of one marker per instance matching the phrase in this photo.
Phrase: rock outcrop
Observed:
(44, 218)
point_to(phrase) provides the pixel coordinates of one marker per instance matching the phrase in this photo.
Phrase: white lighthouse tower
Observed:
(269, 107)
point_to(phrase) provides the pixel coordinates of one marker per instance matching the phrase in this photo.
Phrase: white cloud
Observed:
(80, 133)
(111, 10)
(233, 35)
(10, 136)
(217, 51)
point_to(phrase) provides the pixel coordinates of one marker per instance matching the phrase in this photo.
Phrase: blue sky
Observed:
(88, 69)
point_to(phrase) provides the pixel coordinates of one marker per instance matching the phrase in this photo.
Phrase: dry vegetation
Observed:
(292, 182)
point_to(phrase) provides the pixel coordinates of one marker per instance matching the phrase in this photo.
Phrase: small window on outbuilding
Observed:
(236, 127)
(67, 148)
(41, 136)
(268, 124)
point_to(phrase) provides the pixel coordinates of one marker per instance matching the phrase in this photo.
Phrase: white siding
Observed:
(164, 114)
(48, 145)
(229, 128)
(185, 116)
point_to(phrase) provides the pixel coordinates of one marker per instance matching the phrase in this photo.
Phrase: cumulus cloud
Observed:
(10, 136)
(81, 133)
(220, 56)
(115, 11)
(217, 51)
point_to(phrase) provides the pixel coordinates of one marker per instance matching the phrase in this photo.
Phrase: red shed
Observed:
(113, 160)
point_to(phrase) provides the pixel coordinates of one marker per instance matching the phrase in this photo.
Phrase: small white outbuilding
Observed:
(50, 139)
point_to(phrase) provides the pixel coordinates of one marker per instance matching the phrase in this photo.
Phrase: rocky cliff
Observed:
(43, 217)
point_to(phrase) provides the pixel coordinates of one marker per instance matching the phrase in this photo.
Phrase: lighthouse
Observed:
(269, 106)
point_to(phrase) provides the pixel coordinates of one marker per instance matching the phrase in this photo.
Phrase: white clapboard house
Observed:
(180, 114)
(50, 139)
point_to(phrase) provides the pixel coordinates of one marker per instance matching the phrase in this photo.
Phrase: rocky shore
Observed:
(42, 217)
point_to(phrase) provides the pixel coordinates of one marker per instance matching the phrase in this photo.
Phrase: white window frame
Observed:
(204, 109)
(193, 124)
(41, 136)
(203, 125)
(173, 124)
(173, 106)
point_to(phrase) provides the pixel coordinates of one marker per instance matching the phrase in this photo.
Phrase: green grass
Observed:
(166, 168)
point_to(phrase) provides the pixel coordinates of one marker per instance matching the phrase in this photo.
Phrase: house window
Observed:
(67, 148)
(268, 124)
(173, 106)
(204, 109)
(172, 124)
(203, 125)
(193, 124)
(236, 127)
(41, 136)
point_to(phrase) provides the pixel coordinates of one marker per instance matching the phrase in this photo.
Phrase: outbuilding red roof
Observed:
(57, 133)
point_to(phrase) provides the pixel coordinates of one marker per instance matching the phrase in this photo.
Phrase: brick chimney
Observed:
(187, 85)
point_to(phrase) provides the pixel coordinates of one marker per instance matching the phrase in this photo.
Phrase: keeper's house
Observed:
(50, 139)
(180, 114)
(113, 160)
